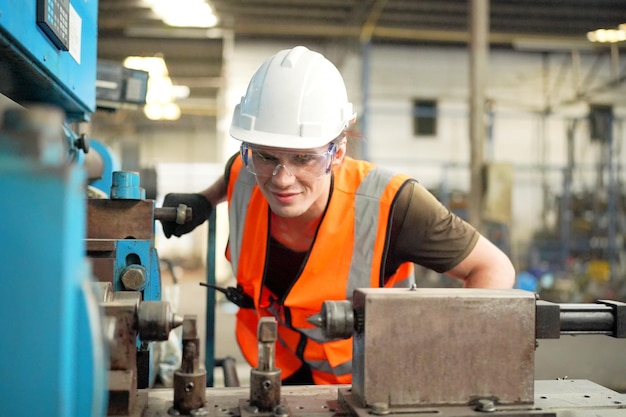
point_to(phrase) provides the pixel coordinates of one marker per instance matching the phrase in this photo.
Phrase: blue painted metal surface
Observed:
(138, 253)
(126, 186)
(36, 70)
(53, 360)
(209, 337)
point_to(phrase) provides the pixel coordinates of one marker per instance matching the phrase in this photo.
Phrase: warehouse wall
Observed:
(522, 134)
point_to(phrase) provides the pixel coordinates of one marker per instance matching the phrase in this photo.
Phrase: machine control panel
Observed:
(53, 18)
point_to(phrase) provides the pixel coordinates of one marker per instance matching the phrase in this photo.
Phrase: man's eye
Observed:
(265, 158)
(303, 158)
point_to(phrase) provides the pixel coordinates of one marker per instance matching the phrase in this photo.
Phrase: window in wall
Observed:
(424, 117)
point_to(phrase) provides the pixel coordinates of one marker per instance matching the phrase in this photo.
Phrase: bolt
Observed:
(380, 409)
(133, 279)
(280, 411)
(485, 405)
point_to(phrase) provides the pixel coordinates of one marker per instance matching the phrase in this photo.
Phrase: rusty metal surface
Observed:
(123, 352)
(120, 219)
(122, 392)
(189, 379)
(101, 253)
(444, 346)
(103, 268)
(310, 401)
(567, 398)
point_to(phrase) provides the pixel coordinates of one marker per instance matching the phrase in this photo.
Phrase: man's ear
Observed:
(341, 152)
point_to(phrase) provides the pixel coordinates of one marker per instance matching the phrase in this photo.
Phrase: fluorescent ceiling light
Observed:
(161, 94)
(607, 35)
(185, 13)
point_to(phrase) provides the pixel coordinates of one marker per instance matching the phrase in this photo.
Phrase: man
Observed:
(309, 224)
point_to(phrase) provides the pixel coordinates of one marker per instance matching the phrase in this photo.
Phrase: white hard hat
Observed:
(297, 99)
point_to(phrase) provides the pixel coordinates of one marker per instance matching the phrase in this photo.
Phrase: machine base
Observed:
(559, 398)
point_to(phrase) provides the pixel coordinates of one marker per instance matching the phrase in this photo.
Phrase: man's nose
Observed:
(282, 176)
(277, 169)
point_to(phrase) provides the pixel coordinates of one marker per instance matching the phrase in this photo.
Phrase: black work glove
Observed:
(201, 209)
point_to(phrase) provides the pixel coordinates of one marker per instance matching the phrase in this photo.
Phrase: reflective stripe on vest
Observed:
(238, 209)
(367, 207)
(365, 231)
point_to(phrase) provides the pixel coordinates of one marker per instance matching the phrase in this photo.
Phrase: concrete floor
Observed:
(601, 359)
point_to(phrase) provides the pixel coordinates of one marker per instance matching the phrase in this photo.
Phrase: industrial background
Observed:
(513, 113)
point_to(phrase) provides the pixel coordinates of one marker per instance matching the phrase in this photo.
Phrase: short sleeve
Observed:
(427, 233)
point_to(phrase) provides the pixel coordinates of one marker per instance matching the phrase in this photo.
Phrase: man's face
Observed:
(294, 182)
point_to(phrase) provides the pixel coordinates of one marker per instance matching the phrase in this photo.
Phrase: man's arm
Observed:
(216, 192)
(486, 266)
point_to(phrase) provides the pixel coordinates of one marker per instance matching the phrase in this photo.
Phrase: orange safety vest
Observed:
(347, 254)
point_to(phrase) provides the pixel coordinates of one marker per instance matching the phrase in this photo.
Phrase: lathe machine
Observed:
(81, 303)
(422, 352)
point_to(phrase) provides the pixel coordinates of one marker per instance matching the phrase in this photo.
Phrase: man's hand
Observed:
(201, 209)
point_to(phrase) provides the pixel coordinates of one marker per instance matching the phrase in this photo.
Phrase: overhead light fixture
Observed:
(185, 13)
(608, 35)
(161, 94)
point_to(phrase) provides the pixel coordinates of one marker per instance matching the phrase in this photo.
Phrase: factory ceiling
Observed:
(194, 56)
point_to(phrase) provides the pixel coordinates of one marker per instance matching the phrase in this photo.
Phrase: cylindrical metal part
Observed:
(603, 317)
(189, 379)
(265, 389)
(337, 319)
(125, 186)
(265, 379)
(587, 319)
(267, 355)
(189, 391)
(156, 320)
(180, 214)
(229, 366)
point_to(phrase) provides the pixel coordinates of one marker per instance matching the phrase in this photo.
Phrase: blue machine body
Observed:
(35, 69)
(53, 359)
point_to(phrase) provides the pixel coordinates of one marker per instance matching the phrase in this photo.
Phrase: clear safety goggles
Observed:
(306, 165)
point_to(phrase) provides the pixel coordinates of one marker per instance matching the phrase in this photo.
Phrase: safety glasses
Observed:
(306, 165)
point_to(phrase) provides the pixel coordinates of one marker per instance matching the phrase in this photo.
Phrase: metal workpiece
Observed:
(190, 379)
(120, 219)
(122, 388)
(181, 214)
(265, 381)
(336, 319)
(433, 346)
(156, 320)
(127, 318)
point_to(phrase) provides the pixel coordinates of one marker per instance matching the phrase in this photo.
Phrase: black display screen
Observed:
(53, 17)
